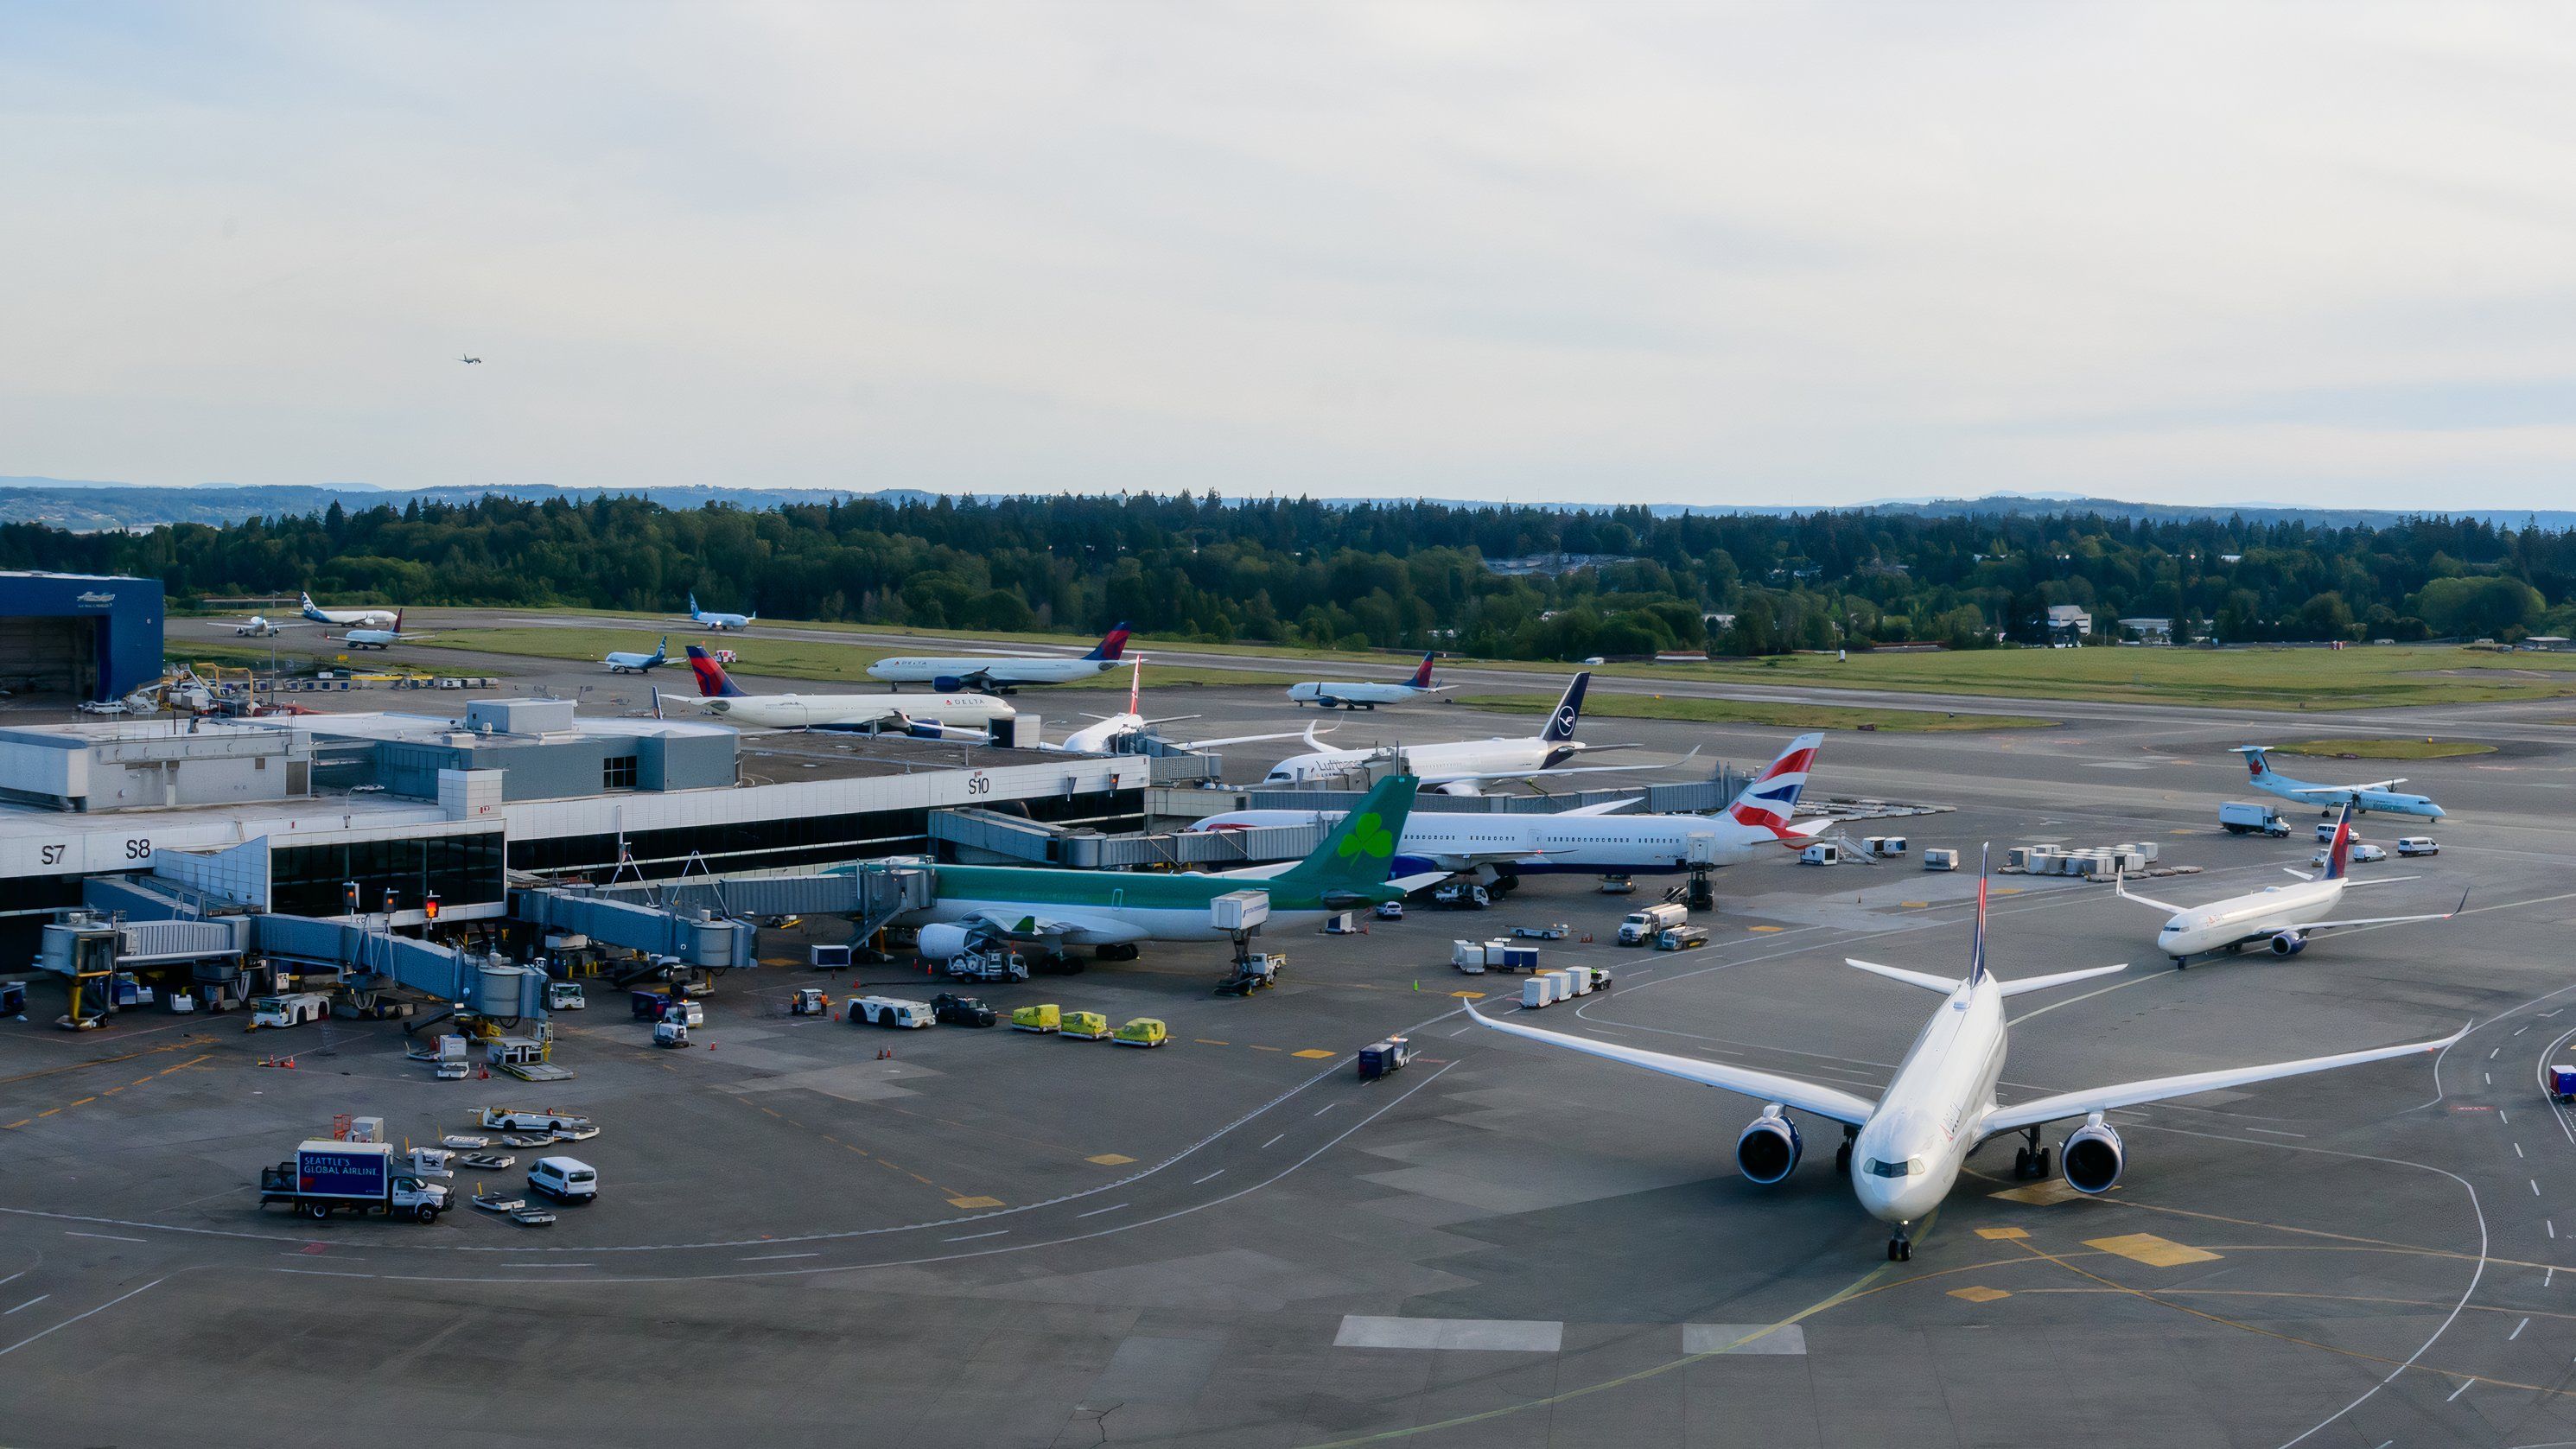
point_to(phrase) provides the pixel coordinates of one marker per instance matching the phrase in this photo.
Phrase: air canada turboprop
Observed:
(1367, 694)
(2364, 798)
(998, 673)
(1903, 1151)
(2284, 916)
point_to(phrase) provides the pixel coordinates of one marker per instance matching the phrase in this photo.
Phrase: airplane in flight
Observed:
(999, 673)
(2285, 915)
(469, 359)
(718, 622)
(1116, 909)
(1365, 694)
(1102, 737)
(380, 638)
(1592, 839)
(1459, 767)
(2364, 798)
(626, 661)
(356, 618)
(937, 715)
(1904, 1151)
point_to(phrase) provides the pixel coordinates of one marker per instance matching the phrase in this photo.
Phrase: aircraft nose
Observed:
(2435, 811)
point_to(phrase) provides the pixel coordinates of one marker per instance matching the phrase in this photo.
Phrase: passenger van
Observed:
(1644, 923)
(565, 1179)
(2419, 845)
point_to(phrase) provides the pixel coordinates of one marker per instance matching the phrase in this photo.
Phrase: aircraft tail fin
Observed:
(1772, 798)
(1977, 951)
(1112, 646)
(693, 606)
(1569, 710)
(662, 650)
(1361, 849)
(2257, 765)
(1422, 675)
(713, 682)
(2339, 853)
(1136, 686)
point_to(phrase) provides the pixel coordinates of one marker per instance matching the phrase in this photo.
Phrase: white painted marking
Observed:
(2503, 1116)
(2491, 1056)
(2535, 1187)
(1095, 1212)
(1266, 1146)
(2519, 1030)
(545, 1265)
(2490, 1079)
(30, 1303)
(1320, 1111)
(1788, 1338)
(2275, 1132)
(1211, 1177)
(2517, 1330)
(77, 1317)
(111, 1237)
(970, 1237)
(2517, 1149)
(2462, 1389)
(1504, 1335)
(14, 1277)
(774, 1257)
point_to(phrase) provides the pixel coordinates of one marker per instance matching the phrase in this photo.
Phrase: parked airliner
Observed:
(1591, 840)
(1367, 694)
(1457, 768)
(969, 715)
(1905, 1150)
(1102, 737)
(998, 673)
(2286, 915)
(2365, 798)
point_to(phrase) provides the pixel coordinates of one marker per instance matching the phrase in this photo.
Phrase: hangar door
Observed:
(48, 655)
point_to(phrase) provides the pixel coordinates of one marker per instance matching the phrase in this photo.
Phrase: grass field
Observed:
(2378, 749)
(780, 658)
(1761, 712)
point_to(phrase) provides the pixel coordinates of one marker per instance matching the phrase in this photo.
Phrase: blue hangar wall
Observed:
(88, 635)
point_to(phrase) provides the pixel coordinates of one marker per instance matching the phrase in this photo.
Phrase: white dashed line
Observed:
(970, 1237)
(1113, 1207)
(30, 1303)
(1211, 1177)
(2275, 1132)
(2517, 1330)
(774, 1257)
(1320, 1111)
(111, 1237)
(2517, 1149)
(2535, 1187)
(545, 1265)
(2462, 1389)
(1273, 1142)
(77, 1317)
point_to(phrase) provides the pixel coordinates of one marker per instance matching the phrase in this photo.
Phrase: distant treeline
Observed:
(1399, 574)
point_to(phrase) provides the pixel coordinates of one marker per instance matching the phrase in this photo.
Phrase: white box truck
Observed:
(2239, 818)
(325, 1177)
(1646, 922)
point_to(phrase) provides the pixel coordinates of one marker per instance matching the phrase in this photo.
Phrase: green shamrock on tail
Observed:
(1368, 835)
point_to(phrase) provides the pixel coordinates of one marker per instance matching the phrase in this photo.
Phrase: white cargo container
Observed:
(1892, 845)
(1578, 980)
(1239, 910)
(1468, 956)
(2016, 857)
(1538, 991)
(1823, 852)
(1936, 858)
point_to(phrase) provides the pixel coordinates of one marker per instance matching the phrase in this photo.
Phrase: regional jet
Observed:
(2285, 915)
(1904, 1151)
(357, 618)
(624, 661)
(1459, 767)
(2365, 798)
(718, 622)
(998, 673)
(1367, 694)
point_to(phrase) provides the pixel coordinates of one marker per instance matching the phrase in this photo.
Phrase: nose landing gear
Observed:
(1900, 1248)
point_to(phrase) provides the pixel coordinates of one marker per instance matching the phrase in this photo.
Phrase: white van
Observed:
(565, 1179)
(2419, 845)
(1642, 925)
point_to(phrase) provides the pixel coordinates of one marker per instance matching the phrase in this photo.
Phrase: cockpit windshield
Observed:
(1911, 1167)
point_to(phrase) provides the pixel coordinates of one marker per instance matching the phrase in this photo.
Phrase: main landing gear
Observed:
(2030, 1162)
(1900, 1248)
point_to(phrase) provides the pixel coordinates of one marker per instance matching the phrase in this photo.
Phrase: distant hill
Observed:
(89, 506)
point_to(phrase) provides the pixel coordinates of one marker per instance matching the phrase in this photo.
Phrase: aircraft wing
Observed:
(2382, 920)
(1233, 740)
(1444, 779)
(2315, 792)
(2158, 1089)
(1606, 807)
(1824, 1101)
(2120, 888)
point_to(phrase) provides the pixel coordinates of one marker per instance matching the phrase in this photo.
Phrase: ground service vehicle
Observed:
(953, 1010)
(363, 1177)
(532, 1119)
(1618, 885)
(1144, 1031)
(1041, 1018)
(2419, 845)
(1379, 1058)
(1681, 938)
(1462, 895)
(808, 1001)
(2239, 818)
(565, 1179)
(892, 1011)
(1083, 1026)
(1390, 910)
(1646, 922)
(292, 1009)
(566, 996)
(2362, 853)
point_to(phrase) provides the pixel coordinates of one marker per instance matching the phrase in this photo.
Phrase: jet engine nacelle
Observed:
(939, 943)
(1768, 1150)
(2289, 943)
(2091, 1157)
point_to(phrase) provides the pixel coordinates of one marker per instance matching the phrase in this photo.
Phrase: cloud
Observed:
(1757, 253)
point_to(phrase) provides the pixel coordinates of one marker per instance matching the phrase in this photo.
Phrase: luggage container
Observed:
(2016, 857)
(1937, 858)
(827, 958)
(1578, 980)
(1041, 1018)
(1468, 956)
(1536, 992)
(1823, 852)
(2562, 1083)
(1379, 1058)
(1144, 1031)
(1083, 1026)
(1513, 958)
(1893, 845)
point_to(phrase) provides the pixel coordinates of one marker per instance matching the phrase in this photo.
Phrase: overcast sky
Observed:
(1703, 254)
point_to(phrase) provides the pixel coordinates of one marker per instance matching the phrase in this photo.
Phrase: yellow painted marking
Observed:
(2008, 890)
(21, 1122)
(85, 1101)
(1979, 1295)
(975, 1202)
(1914, 905)
(1762, 928)
(1111, 1159)
(2001, 1235)
(1209, 1041)
(2040, 1194)
(2151, 1250)
(1468, 995)
(49, 1111)
(772, 1113)
(1313, 1053)
(112, 1091)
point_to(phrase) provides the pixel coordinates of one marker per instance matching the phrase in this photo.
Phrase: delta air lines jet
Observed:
(1905, 1150)
(2286, 915)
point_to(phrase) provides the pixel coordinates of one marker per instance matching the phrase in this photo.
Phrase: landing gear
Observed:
(1900, 1249)
(2031, 1162)
(2181, 964)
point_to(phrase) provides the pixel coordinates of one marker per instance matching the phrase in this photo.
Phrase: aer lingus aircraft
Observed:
(1905, 1150)
(2365, 798)
(1061, 908)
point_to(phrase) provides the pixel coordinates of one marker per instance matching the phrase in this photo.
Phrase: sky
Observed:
(1702, 254)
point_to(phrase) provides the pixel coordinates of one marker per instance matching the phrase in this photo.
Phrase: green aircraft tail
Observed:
(1361, 849)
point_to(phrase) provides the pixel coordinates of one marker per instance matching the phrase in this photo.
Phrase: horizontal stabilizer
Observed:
(2062, 978)
(1925, 979)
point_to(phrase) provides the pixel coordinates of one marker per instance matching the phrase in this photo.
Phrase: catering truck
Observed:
(362, 1177)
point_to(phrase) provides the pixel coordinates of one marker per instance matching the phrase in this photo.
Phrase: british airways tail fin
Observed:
(713, 682)
(1772, 798)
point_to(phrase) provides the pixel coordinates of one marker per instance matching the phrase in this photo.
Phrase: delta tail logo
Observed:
(1770, 801)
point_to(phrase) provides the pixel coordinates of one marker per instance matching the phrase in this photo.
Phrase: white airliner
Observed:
(360, 618)
(1367, 694)
(966, 715)
(1591, 840)
(629, 661)
(2286, 915)
(1905, 1150)
(706, 619)
(1457, 768)
(1101, 738)
(997, 672)
(380, 638)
